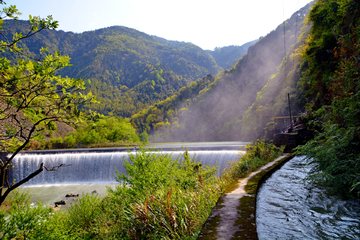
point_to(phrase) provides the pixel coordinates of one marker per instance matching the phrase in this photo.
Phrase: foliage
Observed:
(84, 213)
(156, 117)
(20, 220)
(144, 137)
(103, 130)
(88, 217)
(335, 110)
(93, 133)
(335, 157)
(159, 198)
(151, 170)
(258, 153)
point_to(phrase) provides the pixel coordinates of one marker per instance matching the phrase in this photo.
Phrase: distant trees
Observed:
(103, 130)
(32, 97)
(156, 84)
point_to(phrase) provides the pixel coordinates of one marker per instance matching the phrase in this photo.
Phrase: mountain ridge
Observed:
(128, 70)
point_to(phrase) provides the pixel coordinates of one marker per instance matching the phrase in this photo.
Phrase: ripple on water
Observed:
(288, 208)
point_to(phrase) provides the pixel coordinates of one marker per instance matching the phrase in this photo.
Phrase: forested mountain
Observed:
(226, 57)
(125, 69)
(217, 112)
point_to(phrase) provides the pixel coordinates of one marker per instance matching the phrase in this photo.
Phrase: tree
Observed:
(32, 97)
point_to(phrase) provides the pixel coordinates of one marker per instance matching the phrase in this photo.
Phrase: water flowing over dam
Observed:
(97, 167)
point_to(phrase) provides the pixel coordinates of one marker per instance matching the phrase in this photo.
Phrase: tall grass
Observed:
(158, 198)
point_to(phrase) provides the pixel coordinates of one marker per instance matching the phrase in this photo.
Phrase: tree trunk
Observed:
(14, 186)
(3, 166)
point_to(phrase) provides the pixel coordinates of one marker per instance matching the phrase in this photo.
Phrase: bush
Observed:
(335, 156)
(106, 131)
(258, 153)
(144, 137)
(152, 170)
(22, 219)
(166, 198)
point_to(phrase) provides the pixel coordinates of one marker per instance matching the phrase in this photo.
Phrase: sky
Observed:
(205, 23)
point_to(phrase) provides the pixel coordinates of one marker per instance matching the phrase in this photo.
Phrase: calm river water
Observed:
(288, 207)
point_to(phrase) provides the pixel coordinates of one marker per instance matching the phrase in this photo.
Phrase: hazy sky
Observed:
(206, 23)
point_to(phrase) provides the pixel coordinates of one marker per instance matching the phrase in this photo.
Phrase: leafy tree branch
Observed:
(32, 96)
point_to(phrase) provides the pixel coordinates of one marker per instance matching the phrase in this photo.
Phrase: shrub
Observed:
(165, 197)
(22, 219)
(258, 153)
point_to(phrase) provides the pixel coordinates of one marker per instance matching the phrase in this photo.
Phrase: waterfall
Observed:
(95, 167)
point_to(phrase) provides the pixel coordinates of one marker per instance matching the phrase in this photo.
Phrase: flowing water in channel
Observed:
(288, 207)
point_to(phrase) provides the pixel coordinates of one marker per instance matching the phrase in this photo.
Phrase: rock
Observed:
(73, 195)
(61, 202)
(56, 207)
(94, 192)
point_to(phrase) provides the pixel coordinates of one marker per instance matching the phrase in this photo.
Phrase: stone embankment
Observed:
(233, 217)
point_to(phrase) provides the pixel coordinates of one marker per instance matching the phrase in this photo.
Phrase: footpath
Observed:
(233, 217)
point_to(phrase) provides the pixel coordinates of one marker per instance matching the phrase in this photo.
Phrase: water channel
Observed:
(289, 207)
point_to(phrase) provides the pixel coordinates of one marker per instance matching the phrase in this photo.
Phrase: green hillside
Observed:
(329, 83)
(127, 69)
(226, 57)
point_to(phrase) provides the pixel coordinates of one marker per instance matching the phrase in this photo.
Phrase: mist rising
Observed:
(216, 114)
